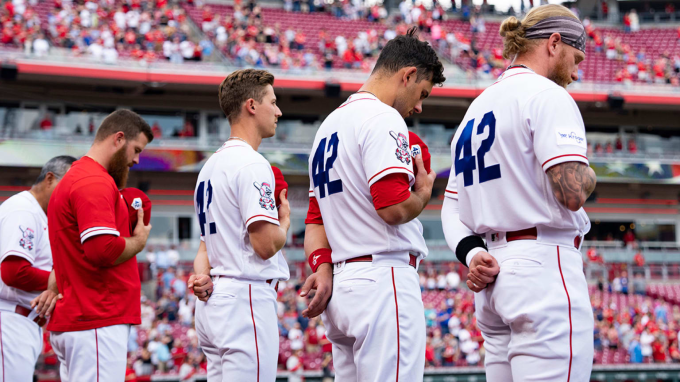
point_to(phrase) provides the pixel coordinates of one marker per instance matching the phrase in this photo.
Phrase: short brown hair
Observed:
(127, 121)
(241, 86)
(513, 31)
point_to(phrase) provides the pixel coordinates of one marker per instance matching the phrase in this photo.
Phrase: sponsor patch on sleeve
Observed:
(570, 137)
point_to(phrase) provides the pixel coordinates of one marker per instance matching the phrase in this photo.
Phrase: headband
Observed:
(571, 30)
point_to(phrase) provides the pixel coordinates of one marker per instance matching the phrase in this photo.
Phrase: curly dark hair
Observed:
(408, 50)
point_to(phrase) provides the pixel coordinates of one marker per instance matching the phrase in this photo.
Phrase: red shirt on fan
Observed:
(87, 203)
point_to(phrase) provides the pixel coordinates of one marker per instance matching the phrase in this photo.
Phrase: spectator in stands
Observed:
(629, 238)
(639, 284)
(46, 123)
(40, 46)
(639, 259)
(635, 350)
(453, 279)
(634, 21)
(295, 367)
(624, 282)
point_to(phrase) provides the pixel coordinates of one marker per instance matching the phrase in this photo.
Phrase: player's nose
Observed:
(278, 112)
(419, 107)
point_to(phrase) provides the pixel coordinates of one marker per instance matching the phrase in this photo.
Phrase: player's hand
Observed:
(202, 286)
(45, 302)
(284, 211)
(141, 231)
(322, 282)
(483, 270)
(424, 181)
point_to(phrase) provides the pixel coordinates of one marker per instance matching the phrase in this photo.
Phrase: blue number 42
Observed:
(467, 164)
(201, 195)
(320, 171)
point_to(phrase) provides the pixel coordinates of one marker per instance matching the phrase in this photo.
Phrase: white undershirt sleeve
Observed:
(455, 230)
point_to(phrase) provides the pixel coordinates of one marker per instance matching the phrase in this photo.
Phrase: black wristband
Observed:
(466, 245)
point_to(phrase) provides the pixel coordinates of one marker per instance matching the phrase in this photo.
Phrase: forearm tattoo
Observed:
(572, 183)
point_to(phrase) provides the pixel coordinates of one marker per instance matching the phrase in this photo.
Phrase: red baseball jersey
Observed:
(87, 203)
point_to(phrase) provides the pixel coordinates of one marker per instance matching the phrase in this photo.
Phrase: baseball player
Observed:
(26, 266)
(94, 254)
(242, 233)
(519, 179)
(361, 205)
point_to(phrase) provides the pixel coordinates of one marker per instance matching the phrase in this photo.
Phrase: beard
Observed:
(119, 167)
(560, 73)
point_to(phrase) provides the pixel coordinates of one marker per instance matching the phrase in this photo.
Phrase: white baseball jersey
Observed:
(235, 188)
(358, 144)
(23, 233)
(512, 133)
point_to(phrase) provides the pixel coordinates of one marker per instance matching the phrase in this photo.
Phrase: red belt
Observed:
(412, 261)
(276, 287)
(532, 234)
(26, 312)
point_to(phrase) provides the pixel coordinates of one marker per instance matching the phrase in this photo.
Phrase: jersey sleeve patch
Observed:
(266, 195)
(27, 238)
(566, 136)
(403, 154)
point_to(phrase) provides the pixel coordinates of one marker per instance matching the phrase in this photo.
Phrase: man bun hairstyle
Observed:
(406, 51)
(241, 86)
(127, 121)
(513, 31)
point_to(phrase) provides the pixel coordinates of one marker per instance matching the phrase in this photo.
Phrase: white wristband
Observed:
(472, 253)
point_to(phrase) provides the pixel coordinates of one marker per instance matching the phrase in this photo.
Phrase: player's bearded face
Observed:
(561, 73)
(119, 167)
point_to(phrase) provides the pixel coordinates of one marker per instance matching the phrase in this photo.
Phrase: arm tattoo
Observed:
(572, 183)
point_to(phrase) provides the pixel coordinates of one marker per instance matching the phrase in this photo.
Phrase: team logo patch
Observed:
(266, 200)
(415, 150)
(26, 242)
(136, 203)
(402, 153)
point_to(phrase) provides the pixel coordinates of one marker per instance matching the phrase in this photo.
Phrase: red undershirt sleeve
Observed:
(103, 250)
(390, 190)
(18, 272)
(313, 212)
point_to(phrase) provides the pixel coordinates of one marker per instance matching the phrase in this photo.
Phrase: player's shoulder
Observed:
(234, 158)
(363, 107)
(17, 203)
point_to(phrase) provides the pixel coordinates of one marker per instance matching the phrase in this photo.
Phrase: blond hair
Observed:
(513, 31)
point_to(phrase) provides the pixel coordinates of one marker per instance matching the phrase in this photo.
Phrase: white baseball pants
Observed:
(376, 323)
(92, 355)
(20, 346)
(238, 331)
(536, 319)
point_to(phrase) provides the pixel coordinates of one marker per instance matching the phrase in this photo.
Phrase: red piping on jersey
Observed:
(452, 192)
(354, 100)
(505, 78)
(2, 350)
(253, 217)
(96, 341)
(565, 155)
(559, 264)
(100, 229)
(21, 254)
(252, 315)
(389, 168)
(396, 306)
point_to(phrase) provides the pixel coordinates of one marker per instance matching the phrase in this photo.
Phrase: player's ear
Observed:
(250, 106)
(409, 74)
(119, 139)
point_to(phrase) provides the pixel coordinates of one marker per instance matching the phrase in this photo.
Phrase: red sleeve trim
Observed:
(389, 168)
(452, 192)
(390, 190)
(318, 257)
(313, 212)
(260, 216)
(565, 155)
(17, 272)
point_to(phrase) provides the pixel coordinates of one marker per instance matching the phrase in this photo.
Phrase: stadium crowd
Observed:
(630, 326)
